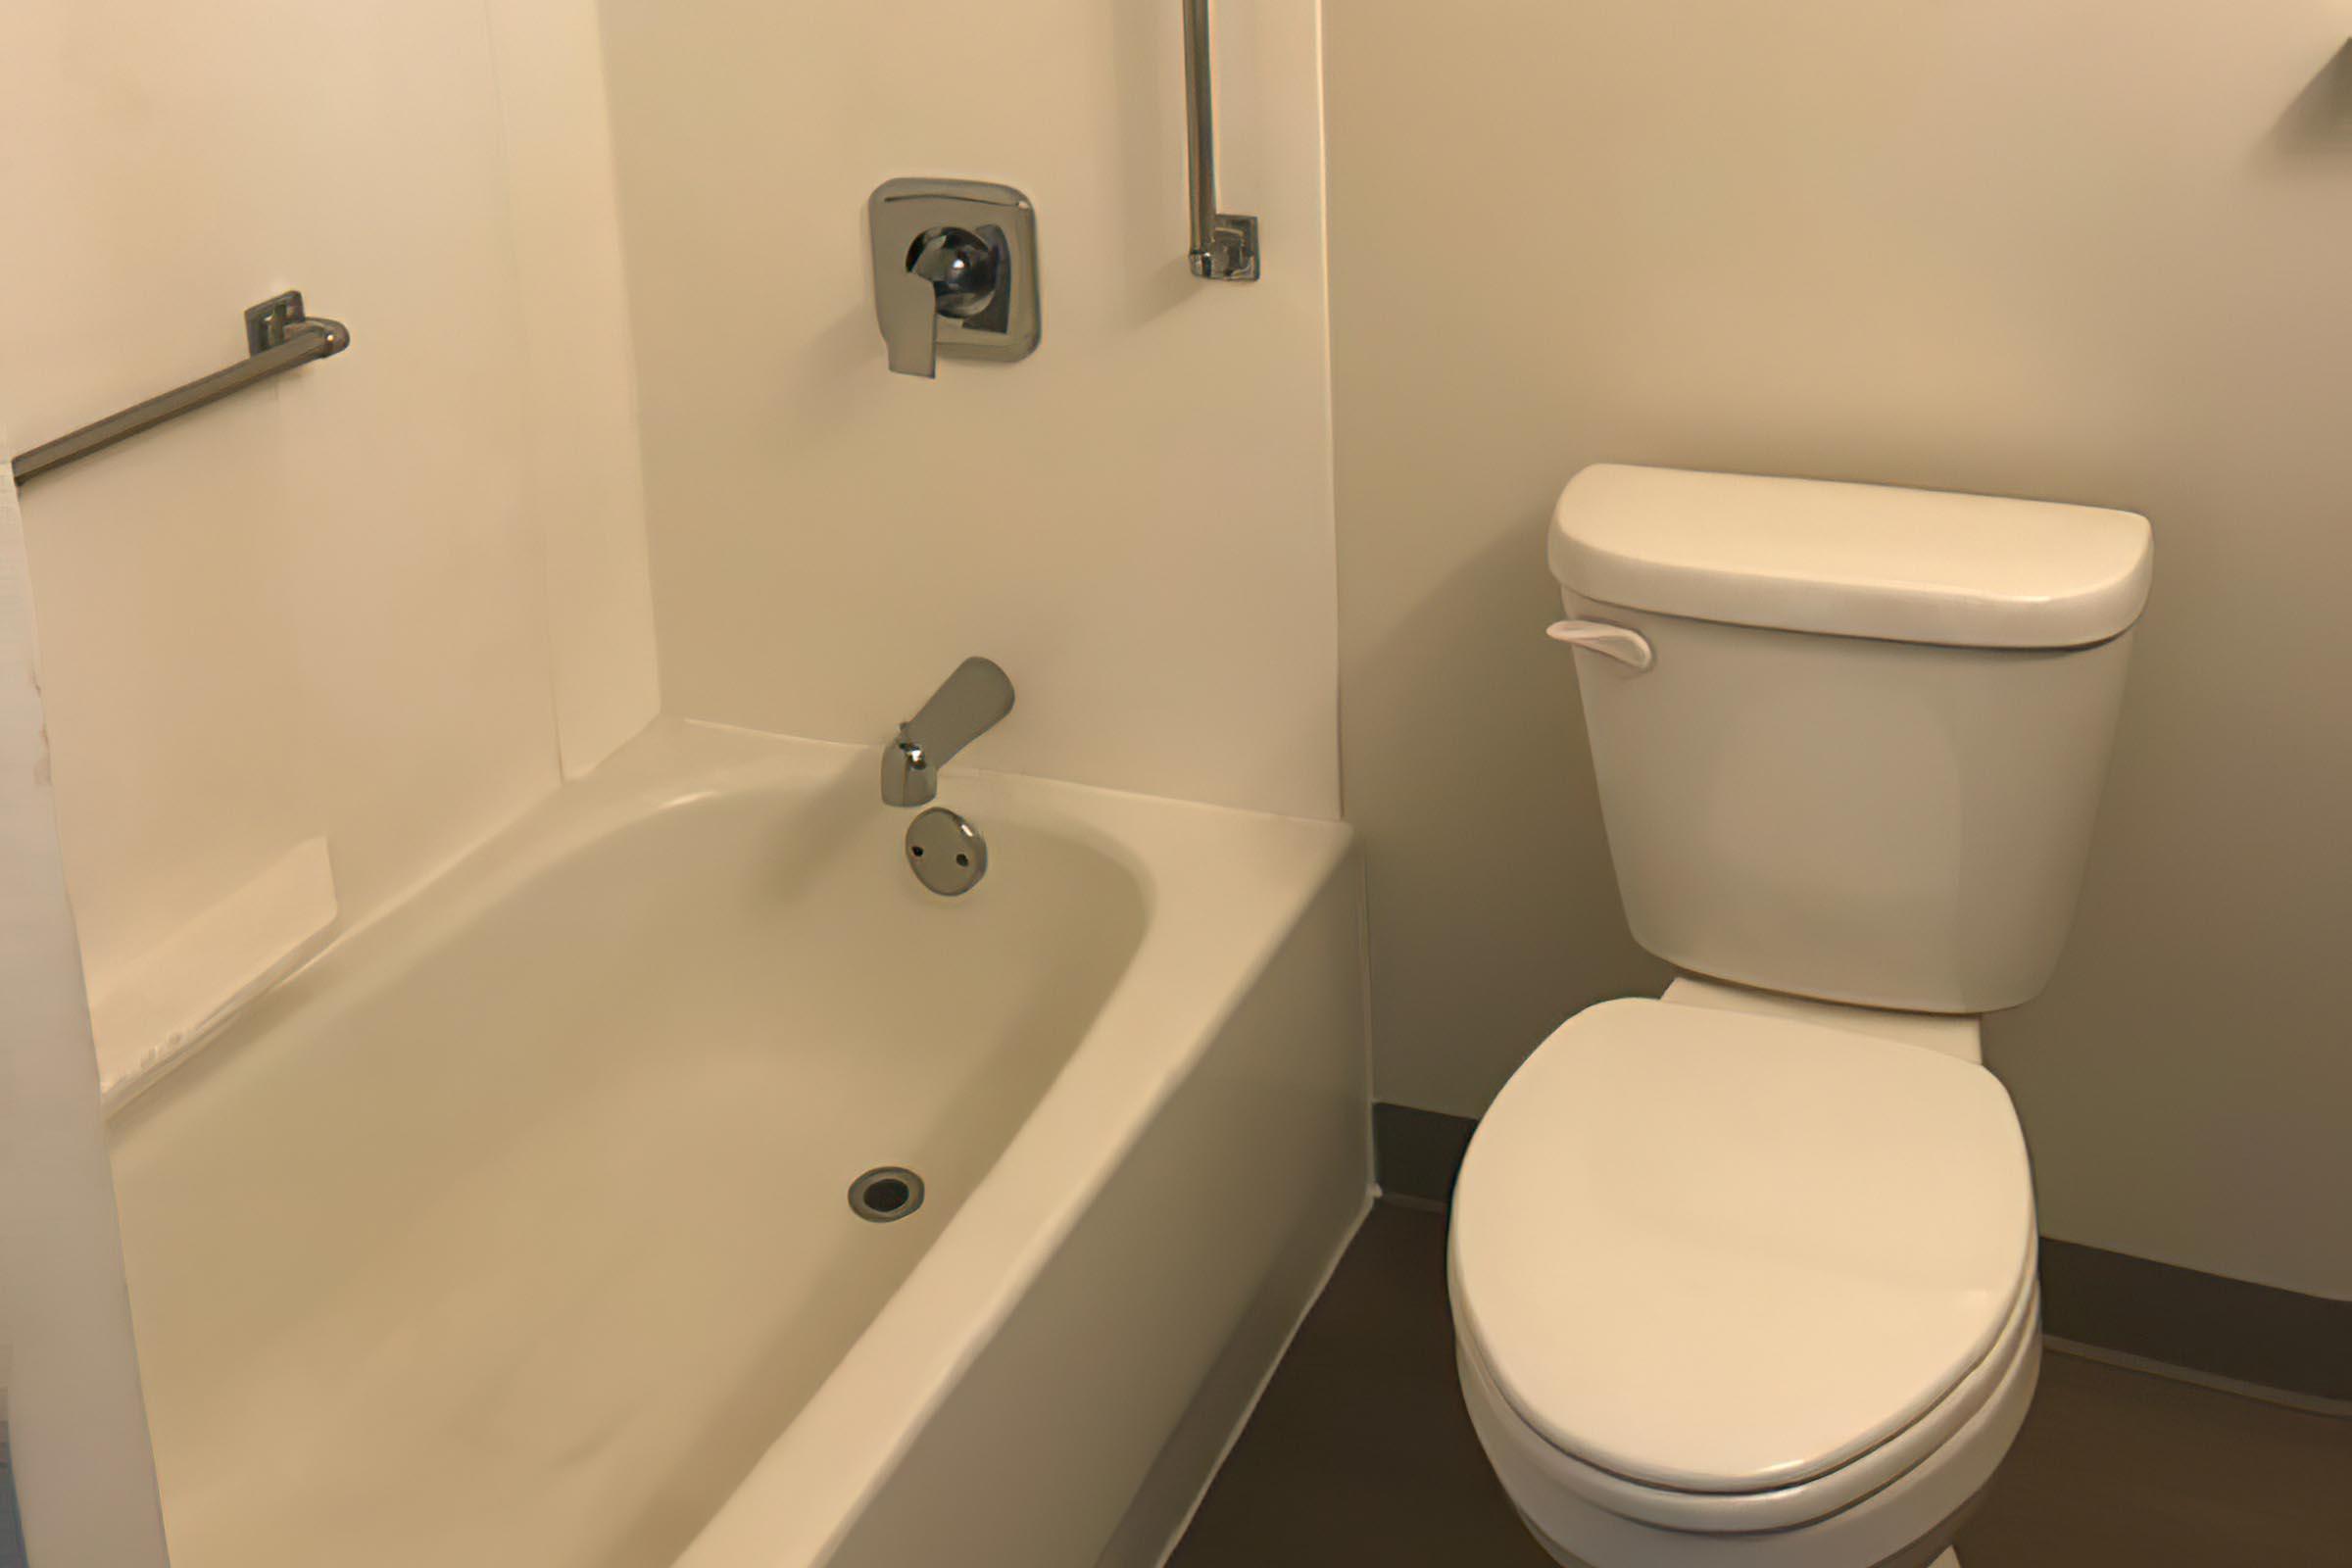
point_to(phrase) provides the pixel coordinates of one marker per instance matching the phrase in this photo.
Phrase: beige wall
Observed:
(2077, 249)
(1134, 522)
(387, 600)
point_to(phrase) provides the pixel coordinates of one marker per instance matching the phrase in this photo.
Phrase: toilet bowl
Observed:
(1734, 1287)
(1744, 1276)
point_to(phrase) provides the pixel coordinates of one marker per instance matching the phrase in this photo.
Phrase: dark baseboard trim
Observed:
(1417, 1153)
(2153, 1313)
(2177, 1316)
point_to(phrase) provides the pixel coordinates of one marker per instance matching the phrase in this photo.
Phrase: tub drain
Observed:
(886, 1192)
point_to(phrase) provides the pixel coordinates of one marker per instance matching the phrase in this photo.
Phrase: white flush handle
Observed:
(1622, 643)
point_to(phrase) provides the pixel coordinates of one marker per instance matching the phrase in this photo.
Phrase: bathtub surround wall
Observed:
(386, 601)
(2084, 251)
(1134, 522)
(72, 1428)
(586, 484)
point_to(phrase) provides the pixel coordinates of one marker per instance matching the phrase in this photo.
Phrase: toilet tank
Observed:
(1864, 756)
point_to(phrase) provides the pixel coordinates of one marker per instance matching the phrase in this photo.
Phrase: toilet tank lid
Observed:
(1851, 560)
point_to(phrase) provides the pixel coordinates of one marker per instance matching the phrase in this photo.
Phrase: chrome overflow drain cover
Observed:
(886, 1192)
(948, 853)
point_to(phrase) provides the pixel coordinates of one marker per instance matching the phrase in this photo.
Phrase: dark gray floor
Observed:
(1361, 1453)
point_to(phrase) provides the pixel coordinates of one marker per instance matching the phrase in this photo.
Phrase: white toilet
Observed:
(1744, 1277)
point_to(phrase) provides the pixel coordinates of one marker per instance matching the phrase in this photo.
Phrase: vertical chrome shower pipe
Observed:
(1224, 245)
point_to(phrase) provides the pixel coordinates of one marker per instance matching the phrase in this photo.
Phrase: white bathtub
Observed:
(512, 1230)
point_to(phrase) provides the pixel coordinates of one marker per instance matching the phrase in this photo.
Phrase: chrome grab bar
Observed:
(1224, 244)
(278, 337)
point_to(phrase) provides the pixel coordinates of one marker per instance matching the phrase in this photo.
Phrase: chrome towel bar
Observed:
(1224, 244)
(278, 337)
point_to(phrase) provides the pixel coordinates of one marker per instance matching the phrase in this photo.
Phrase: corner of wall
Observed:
(587, 478)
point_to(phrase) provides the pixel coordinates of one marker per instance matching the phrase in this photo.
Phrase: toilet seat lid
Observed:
(1723, 1253)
